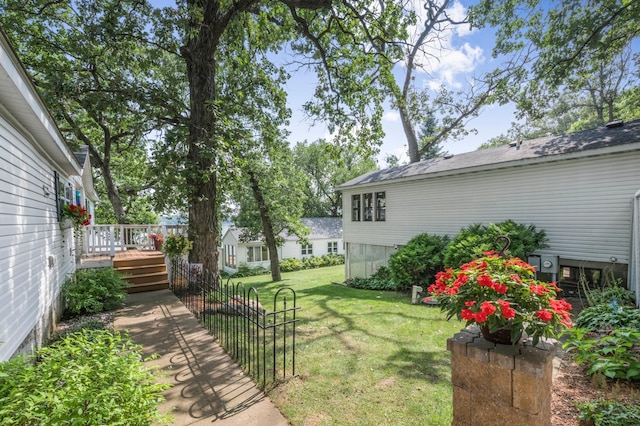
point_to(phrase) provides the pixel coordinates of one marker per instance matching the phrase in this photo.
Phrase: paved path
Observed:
(208, 386)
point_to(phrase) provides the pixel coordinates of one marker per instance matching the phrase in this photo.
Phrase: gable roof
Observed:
(550, 148)
(319, 228)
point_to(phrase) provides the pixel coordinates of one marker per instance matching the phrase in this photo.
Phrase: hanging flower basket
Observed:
(66, 223)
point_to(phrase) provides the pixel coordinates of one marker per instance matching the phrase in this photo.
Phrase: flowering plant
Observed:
(157, 239)
(499, 293)
(77, 214)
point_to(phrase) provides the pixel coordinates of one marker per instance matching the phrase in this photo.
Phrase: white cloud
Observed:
(441, 61)
(392, 116)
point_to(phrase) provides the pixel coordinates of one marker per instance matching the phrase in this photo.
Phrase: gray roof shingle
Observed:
(549, 146)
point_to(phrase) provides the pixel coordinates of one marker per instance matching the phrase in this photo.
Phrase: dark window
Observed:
(355, 208)
(368, 207)
(307, 249)
(332, 247)
(381, 206)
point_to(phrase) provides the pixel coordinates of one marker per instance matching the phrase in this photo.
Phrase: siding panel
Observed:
(583, 204)
(34, 257)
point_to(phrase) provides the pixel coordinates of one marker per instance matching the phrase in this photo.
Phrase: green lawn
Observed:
(364, 357)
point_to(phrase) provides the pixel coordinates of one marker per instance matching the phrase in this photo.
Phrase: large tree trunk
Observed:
(267, 228)
(199, 56)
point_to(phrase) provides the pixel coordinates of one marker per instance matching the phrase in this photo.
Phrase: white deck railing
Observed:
(106, 240)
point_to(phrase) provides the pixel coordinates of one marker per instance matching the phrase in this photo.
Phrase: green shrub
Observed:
(612, 355)
(291, 264)
(90, 291)
(88, 378)
(176, 245)
(84, 324)
(418, 262)
(381, 280)
(245, 270)
(313, 262)
(604, 317)
(608, 413)
(475, 239)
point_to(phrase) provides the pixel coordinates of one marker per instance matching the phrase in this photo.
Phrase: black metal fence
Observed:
(260, 338)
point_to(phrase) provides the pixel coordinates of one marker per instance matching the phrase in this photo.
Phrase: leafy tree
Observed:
(270, 196)
(571, 35)
(343, 41)
(455, 109)
(591, 97)
(325, 168)
(430, 148)
(106, 82)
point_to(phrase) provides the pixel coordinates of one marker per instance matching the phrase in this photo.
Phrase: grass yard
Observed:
(364, 357)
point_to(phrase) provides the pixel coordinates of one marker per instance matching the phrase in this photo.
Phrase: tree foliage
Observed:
(105, 81)
(324, 169)
(558, 39)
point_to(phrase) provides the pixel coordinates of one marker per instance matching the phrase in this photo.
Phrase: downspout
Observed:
(634, 260)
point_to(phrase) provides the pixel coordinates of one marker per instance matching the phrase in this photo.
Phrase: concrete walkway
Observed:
(208, 386)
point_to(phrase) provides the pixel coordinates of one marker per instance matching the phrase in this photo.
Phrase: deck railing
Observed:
(106, 240)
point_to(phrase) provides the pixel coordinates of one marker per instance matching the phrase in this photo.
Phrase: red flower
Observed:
(487, 308)
(538, 289)
(480, 317)
(469, 303)
(544, 315)
(466, 314)
(485, 281)
(500, 288)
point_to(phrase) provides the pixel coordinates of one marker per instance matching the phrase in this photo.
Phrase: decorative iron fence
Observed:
(260, 338)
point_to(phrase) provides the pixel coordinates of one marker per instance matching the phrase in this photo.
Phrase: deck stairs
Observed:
(146, 271)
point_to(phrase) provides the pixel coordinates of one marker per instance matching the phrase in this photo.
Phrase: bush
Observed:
(605, 317)
(418, 262)
(91, 291)
(91, 377)
(612, 355)
(176, 245)
(475, 239)
(291, 264)
(607, 413)
(245, 270)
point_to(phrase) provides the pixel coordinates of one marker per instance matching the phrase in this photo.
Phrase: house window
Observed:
(355, 208)
(381, 206)
(332, 247)
(307, 249)
(230, 256)
(64, 193)
(368, 207)
(257, 254)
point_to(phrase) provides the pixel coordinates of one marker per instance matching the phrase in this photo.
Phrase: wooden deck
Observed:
(145, 270)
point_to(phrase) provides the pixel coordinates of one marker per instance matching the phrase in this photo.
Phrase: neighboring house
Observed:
(583, 189)
(325, 237)
(37, 169)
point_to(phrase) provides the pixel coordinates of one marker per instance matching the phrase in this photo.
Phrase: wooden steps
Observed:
(144, 270)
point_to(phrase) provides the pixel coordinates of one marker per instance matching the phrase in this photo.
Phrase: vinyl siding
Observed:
(29, 237)
(583, 204)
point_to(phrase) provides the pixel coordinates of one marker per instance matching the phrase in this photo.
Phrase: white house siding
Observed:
(35, 258)
(583, 204)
